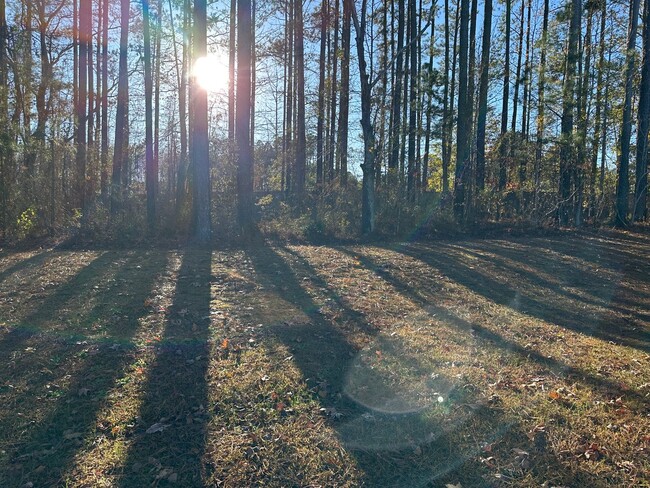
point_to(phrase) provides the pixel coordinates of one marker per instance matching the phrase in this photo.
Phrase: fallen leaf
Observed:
(157, 427)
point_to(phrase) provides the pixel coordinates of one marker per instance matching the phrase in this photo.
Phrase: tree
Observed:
(321, 94)
(641, 188)
(623, 173)
(567, 150)
(301, 141)
(345, 96)
(151, 170)
(464, 117)
(200, 147)
(243, 109)
(120, 151)
(503, 148)
(482, 98)
(368, 166)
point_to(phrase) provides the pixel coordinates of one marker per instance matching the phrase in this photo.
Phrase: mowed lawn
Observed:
(506, 362)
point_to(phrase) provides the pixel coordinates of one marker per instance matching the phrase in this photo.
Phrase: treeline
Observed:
(469, 111)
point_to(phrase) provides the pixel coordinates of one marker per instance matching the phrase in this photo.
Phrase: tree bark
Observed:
(623, 174)
(200, 147)
(120, 152)
(641, 187)
(567, 153)
(482, 97)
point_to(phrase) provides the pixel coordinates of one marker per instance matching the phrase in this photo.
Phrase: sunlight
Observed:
(211, 72)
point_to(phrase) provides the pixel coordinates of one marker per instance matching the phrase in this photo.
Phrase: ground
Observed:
(497, 362)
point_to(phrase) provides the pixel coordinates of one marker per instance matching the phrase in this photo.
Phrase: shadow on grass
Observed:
(512, 434)
(510, 294)
(598, 291)
(175, 392)
(58, 420)
(608, 388)
(30, 262)
(391, 445)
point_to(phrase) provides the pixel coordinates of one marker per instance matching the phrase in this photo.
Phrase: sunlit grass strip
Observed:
(100, 461)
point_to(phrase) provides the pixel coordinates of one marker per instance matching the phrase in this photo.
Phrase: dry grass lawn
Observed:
(519, 362)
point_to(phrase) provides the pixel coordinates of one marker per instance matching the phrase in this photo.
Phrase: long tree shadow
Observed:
(65, 414)
(169, 440)
(482, 283)
(517, 262)
(30, 262)
(608, 388)
(542, 463)
(392, 449)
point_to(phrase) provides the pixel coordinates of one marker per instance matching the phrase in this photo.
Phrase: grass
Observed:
(519, 362)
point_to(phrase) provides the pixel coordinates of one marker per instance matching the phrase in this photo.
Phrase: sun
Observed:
(211, 72)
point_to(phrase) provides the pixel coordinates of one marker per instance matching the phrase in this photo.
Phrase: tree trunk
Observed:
(641, 188)
(231, 70)
(333, 90)
(243, 110)
(85, 30)
(597, 116)
(539, 145)
(623, 174)
(482, 97)
(120, 152)
(411, 171)
(567, 154)
(345, 96)
(301, 141)
(200, 147)
(503, 148)
(397, 94)
(368, 183)
(321, 94)
(464, 115)
(150, 177)
(104, 103)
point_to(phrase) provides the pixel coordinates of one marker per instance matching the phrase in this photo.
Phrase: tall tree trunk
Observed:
(5, 137)
(369, 153)
(120, 152)
(541, 122)
(200, 147)
(515, 96)
(243, 110)
(148, 117)
(345, 95)
(503, 148)
(232, 58)
(397, 94)
(156, 115)
(464, 114)
(288, 134)
(623, 174)
(333, 91)
(482, 97)
(567, 153)
(525, 111)
(429, 104)
(301, 141)
(253, 73)
(597, 115)
(321, 94)
(583, 122)
(104, 103)
(411, 171)
(85, 14)
(641, 188)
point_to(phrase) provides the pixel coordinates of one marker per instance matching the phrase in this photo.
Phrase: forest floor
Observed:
(499, 362)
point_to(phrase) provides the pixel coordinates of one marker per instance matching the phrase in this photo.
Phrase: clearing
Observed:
(502, 362)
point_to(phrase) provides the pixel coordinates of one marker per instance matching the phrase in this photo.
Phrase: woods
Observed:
(335, 119)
